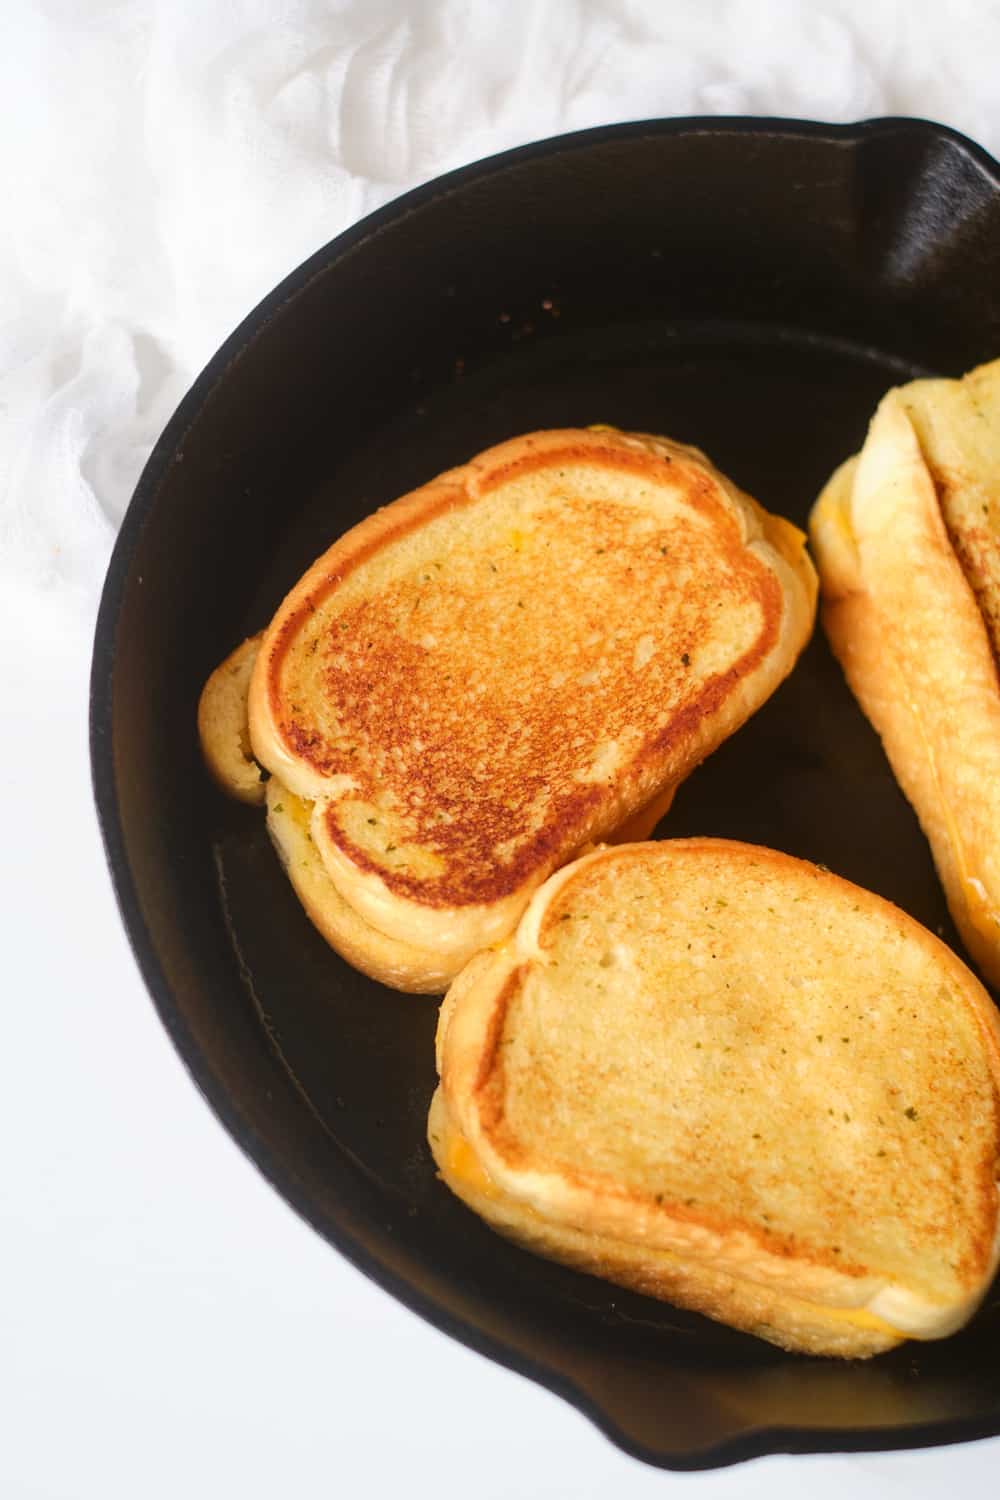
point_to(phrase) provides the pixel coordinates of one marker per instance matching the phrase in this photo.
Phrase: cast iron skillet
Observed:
(751, 286)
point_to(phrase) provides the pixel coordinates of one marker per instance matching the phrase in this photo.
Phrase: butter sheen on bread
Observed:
(729, 1079)
(519, 658)
(907, 541)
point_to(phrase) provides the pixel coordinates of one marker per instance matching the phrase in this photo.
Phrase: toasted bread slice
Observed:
(513, 661)
(732, 1080)
(225, 737)
(389, 960)
(223, 727)
(910, 567)
(957, 423)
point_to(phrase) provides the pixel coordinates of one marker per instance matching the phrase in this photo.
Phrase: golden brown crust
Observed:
(458, 760)
(789, 1322)
(401, 966)
(223, 729)
(804, 1225)
(905, 624)
(224, 734)
(957, 423)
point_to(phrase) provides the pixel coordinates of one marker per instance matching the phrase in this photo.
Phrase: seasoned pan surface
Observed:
(749, 286)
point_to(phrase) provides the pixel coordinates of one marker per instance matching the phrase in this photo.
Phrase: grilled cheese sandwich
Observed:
(730, 1079)
(527, 654)
(907, 539)
(915, 1319)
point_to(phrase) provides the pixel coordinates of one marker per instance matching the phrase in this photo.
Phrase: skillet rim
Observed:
(740, 1445)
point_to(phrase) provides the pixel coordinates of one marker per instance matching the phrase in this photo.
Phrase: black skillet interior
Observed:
(748, 286)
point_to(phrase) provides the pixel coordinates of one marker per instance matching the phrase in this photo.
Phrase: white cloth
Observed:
(166, 163)
(166, 1327)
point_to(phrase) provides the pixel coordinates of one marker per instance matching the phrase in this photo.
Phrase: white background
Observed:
(167, 1327)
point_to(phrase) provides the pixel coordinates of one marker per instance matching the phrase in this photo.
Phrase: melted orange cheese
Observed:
(462, 1162)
